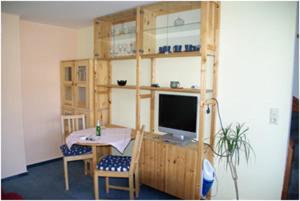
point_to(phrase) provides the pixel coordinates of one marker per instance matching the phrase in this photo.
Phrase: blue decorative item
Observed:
(177, 48)
(189, 47)
(161, 50)
(167, 49)
(186, 48)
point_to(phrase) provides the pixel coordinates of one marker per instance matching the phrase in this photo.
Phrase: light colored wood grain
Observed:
(120, 17)
(143, 96)
(76, 104)
(169, 168)
(149, 41)
(65, 83)
(138, 69)
(215, 78)
(152, 101)
(163, 8)
(182, 90)
(109, 100)
(203, 71)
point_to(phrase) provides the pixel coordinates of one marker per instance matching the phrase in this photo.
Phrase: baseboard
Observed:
(14, 176)
(30, 166)
(44, 162)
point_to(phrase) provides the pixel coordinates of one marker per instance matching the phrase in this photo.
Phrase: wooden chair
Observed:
(70, 123)
(131, 171)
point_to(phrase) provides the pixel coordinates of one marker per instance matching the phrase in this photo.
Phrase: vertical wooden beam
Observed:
(95, 64)
(109, 80)
(152, 101)
(215, 77)
(203, 42)
(138, 60)
(91, 94)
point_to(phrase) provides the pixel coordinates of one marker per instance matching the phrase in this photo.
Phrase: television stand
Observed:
(175, 139)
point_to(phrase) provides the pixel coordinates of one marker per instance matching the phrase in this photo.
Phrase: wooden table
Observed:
(97, 156)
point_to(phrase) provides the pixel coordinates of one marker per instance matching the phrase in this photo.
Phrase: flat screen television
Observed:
(177, 115)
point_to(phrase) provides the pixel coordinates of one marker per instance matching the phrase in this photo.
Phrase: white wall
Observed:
(42, 48)
(85, 43)
(255, 74)
(12, 136)
(296, 61)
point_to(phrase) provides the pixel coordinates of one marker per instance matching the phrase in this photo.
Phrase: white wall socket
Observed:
(274, 116)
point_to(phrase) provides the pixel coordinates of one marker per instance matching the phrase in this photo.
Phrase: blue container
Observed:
(161, 50)
(177, 48)
(167, 49)
(208, 177)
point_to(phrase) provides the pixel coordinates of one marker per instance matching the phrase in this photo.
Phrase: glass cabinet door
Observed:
(82, 83)
(67, 69)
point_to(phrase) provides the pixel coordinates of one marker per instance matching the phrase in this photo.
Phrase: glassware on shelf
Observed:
(125, 29)
(178, 22)
(131, 29)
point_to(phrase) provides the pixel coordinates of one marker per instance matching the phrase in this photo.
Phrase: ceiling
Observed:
(72, 14)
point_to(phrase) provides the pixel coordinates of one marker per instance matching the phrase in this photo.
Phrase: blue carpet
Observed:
(46, 181)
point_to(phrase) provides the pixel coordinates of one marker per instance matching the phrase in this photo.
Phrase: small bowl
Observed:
(121, 82)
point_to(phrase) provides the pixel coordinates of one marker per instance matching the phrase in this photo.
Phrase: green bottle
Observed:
(98, 129)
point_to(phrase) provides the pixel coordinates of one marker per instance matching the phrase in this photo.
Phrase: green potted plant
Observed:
(231, 143)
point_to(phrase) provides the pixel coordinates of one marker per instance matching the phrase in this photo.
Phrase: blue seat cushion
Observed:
(114, 163)
(75, 150)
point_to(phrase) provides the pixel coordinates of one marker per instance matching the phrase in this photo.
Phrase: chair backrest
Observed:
(70, 123)
(137, 149)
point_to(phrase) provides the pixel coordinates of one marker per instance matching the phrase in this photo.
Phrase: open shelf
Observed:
(193, 26)
(168, 89)
(157, 55)
(120, 36)
(175, 54)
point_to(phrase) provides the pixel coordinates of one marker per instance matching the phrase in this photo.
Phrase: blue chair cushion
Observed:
(114, 163)
(75, 150)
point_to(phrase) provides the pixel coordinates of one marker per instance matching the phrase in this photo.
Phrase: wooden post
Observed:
(109, 90)
(215, 77)
(203, 42)
(138, 60)
(152, 101)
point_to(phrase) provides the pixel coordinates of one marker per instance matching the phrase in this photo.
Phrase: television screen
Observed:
(177, 113)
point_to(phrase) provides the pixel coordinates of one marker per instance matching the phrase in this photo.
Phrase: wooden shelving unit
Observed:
(145, 40)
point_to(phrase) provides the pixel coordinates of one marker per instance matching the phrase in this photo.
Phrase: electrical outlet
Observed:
(274, 116)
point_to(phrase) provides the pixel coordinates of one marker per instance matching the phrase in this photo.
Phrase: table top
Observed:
(117, 137)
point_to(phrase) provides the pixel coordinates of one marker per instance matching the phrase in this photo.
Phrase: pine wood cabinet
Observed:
(169, 168)
(77, 94)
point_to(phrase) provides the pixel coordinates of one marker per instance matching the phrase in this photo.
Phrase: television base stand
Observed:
(176, 139)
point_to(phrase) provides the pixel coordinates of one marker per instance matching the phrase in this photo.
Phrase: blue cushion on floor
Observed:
(115, 163)
(75, 150)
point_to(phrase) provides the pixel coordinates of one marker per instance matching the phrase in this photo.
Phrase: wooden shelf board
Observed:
(177, 54)
(170, 55)
(183, 90)
(117, 86)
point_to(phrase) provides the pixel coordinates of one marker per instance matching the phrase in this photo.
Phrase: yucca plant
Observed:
(232, 142)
